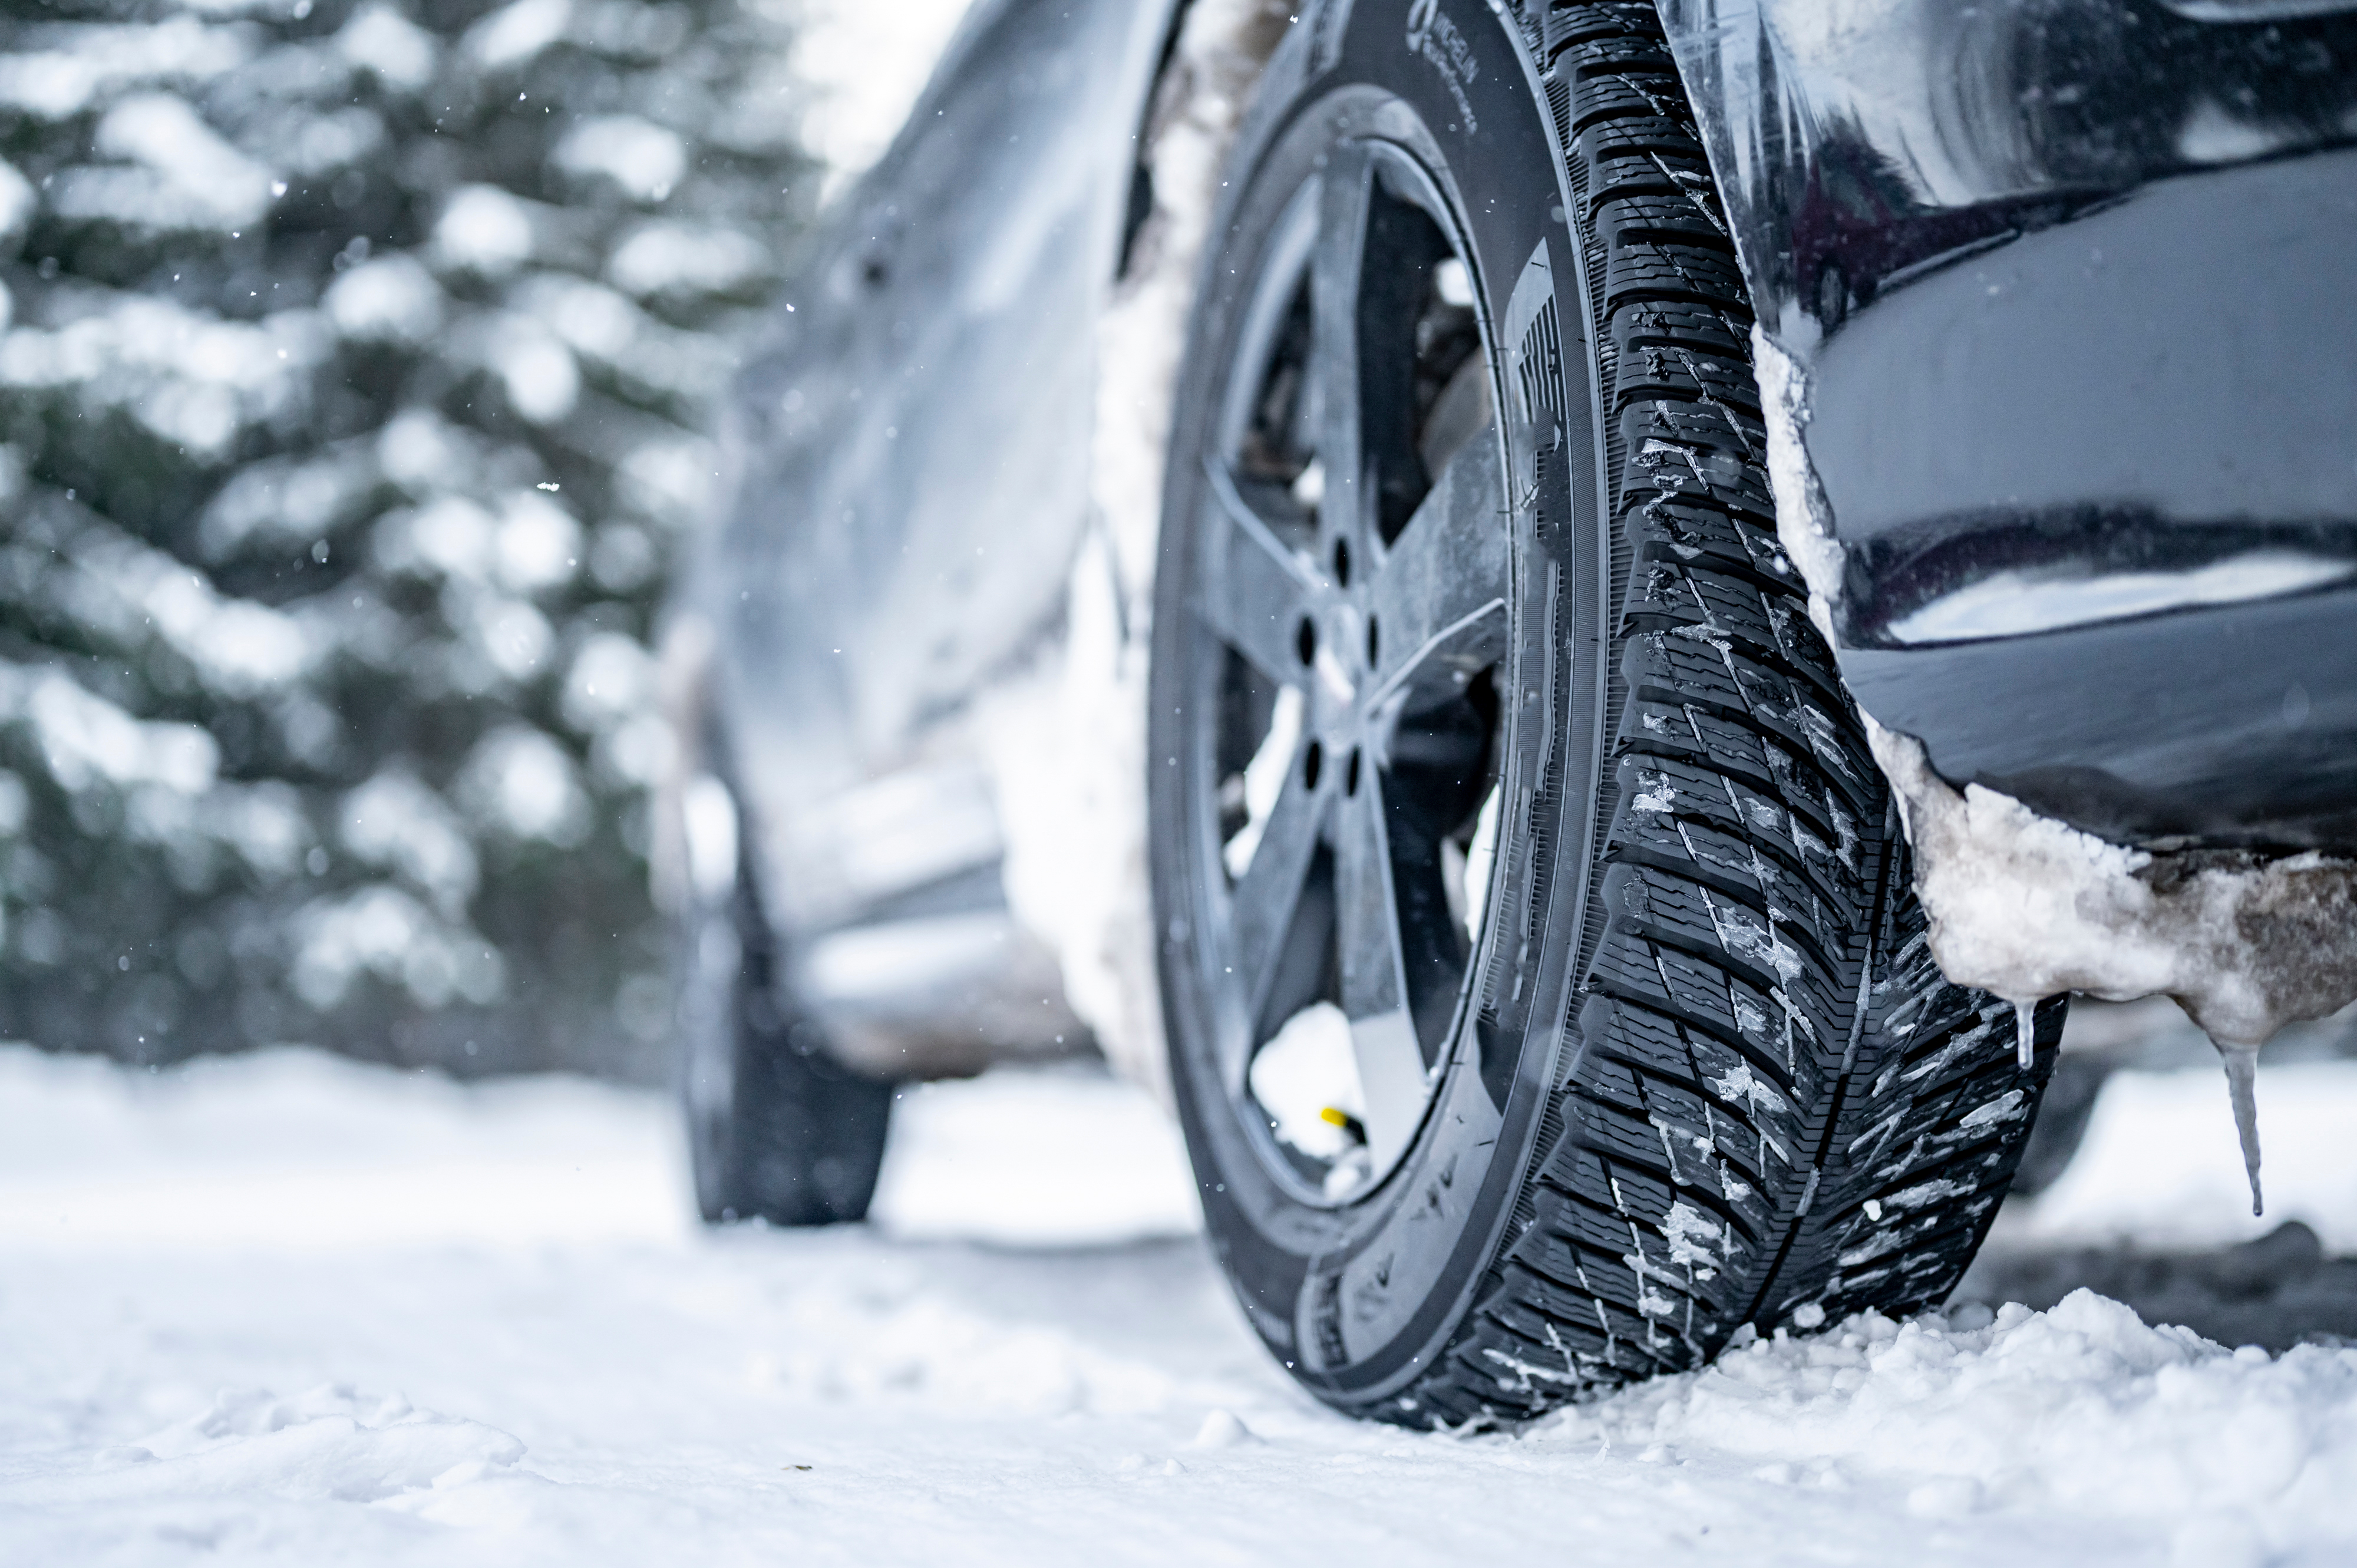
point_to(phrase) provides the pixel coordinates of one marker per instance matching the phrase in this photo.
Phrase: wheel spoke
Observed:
(1338, 265)
(1329, 548)
(1368, 912)
(1257, 590)
(1267, 896)
(1391, 1081)
(1438, 598)
(1374, 990)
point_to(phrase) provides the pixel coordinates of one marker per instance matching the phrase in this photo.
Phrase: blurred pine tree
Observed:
(357, 387)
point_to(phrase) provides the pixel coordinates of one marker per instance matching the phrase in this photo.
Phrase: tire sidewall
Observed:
(1360, 1300)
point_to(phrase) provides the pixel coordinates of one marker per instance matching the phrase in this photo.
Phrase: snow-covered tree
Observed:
(355, 380)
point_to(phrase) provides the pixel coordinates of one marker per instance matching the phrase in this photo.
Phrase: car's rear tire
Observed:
(777, 1130)
(1680, 1065)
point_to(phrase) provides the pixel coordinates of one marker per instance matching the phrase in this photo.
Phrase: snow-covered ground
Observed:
(288, 1309)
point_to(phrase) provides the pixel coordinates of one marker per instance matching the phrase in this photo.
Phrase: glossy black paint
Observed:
(2071, 285)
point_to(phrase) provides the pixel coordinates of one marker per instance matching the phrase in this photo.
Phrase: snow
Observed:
(190, 378)
(484, 229)
(539, 544)
(1049, 1157)
(1076, 861)
(2212, 133)
(508, 635)
(660, 257)
(386, 932)
(2081, 1411)
(286, 1308)
(2190, 1198)
(641, 157)
(205, 178)
(166, 772)
(1803, 517)
(84, 738)
(17, 203)
(58, 84)
(1305, 1073)
(394, 299)
(522, 781)
(612, 679)
(397, 821)
(541, 379)
(508, 37)
(2027, 907)
(380, 39)
(862, 68)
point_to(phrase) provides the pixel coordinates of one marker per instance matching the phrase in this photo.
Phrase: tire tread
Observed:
(1762, 1045)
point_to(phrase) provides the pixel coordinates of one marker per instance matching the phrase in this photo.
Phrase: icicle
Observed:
(2025, 1030)
(2242, 1074)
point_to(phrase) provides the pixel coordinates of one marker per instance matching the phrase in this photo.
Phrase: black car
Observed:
(1259, 543)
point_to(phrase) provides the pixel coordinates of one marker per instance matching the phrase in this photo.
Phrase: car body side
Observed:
(907, 484)
(2067, 285)
(2065, 282)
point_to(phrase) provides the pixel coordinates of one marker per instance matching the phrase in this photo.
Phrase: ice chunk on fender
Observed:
(2026, 907)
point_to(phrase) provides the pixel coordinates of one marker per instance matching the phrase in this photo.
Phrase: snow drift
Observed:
(503, 1366)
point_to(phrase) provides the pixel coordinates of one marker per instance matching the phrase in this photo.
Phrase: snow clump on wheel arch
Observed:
(1076, 864)
(2027, 907)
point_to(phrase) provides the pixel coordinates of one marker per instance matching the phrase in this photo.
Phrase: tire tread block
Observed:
(1668, 595)
(1641, 270)
(1736, 866)
(1694, 453)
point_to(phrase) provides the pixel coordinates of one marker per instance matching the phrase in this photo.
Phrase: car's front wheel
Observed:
(1546, 1000)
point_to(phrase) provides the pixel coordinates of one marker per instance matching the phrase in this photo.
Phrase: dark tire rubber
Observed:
(1744, 1096)
(777, 1130)
(2064, 1114)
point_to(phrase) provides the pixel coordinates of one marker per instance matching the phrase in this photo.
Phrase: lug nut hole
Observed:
(1312, 765)
(1342, 561)
(1374, 642)
(1350, 779)
(1305, 641)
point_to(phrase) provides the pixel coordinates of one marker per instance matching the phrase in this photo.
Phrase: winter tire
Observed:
(1546, 1000)
(776, 1129)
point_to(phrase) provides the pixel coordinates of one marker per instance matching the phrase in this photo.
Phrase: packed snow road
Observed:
(291, 1310)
